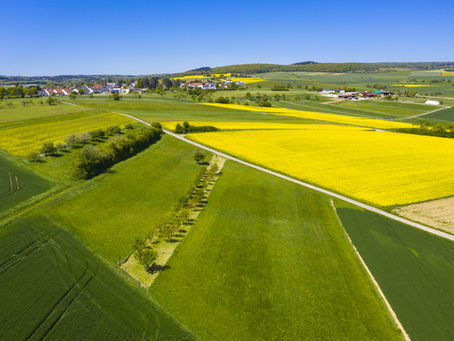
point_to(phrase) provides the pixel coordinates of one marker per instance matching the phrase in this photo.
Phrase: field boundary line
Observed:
(307, 185)
(374, 281)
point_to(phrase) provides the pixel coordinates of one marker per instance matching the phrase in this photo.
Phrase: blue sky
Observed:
(144, 37)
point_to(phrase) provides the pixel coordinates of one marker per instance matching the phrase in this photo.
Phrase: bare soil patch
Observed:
(436, 213)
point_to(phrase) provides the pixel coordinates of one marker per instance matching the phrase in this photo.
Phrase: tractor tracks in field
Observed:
(61, 306)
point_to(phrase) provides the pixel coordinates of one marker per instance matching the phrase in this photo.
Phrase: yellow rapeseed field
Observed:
(379, 167)
(238, 125)
(246, 80)
(447, 74)
(23, 139)
(344, 119)
(413, 85)
(192, 77)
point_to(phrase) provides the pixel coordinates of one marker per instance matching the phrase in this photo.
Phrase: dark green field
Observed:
(442, 115)
(267, 260)
(414, 269)
(52, 288)
(17, 183)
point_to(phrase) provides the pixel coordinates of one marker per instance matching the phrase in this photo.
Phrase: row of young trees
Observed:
(91, 160)
(169, 226)
(188, 128)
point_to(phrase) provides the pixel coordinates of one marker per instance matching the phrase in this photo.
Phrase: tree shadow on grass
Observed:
(157, 268)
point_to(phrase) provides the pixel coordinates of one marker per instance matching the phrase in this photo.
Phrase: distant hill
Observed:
(320, 67)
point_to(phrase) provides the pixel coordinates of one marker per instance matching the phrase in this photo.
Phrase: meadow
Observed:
(24, 137)
(387, 109)
(413, 268)
(18, 183)
(378, 167)
(14, 110)
(126, 202)
(268, 260)
(343, 119)
(53, 288)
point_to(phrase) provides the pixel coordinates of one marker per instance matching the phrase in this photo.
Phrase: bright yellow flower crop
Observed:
(238, 125)
(447, 74)
(192, 77)
(379, 167)
(413, 85)
(23, 139)
(245, 80)
(344, 119)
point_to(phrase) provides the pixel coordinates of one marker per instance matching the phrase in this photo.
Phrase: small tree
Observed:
(71, 140)
(47, 148)
(147, 257)
(199, 156)
(33, 156)
(116, 97)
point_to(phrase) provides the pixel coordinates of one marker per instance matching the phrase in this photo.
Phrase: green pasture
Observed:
(53, 288)
(18, 183)
(110, 211)
(386, 109)
(268, 260)
(414, 269)
(15, 110)
(153, 108)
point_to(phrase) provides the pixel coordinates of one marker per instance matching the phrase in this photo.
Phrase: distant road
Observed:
(305, 184)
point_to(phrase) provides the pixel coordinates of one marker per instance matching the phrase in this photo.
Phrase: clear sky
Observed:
(143, 37)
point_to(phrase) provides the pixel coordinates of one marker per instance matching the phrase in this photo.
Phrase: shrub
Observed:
(83, 138)
(47, 148)
(33, 156)
(113, 130)
(97, 134)
(71, 140)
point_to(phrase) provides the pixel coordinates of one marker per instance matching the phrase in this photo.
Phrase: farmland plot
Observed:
(18, 183)
(379, 167)
(52, 288)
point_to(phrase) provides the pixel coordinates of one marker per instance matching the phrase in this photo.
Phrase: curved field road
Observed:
(302, 183)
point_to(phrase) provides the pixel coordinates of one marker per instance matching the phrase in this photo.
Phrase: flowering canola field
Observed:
(379, 167)
(23, 139)
(240, 125)
(344, 119)
(413, 85)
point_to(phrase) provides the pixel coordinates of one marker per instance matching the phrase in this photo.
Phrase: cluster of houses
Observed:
(109, 88)
(356, 95)
(208, 84)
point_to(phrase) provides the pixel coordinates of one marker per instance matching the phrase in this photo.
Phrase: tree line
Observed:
(188, 128)
(431, 129)
(169, 226)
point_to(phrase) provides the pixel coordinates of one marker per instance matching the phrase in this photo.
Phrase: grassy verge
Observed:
(413, 268)
(267, 259)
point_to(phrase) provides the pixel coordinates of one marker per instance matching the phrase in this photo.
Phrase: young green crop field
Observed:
(110, 211)
(268, 260)
(53, 288)
(14, 110)
(442, 115)
(156, 108)
(18, 184)
(413, 268)
(387, 109)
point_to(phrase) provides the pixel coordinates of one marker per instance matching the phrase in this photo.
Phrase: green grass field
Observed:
(387, 109)
(414, 269)
(14, 110)
(110, 211)
(153, 108)
(267, 260)
(52, 288)
(18, 183)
